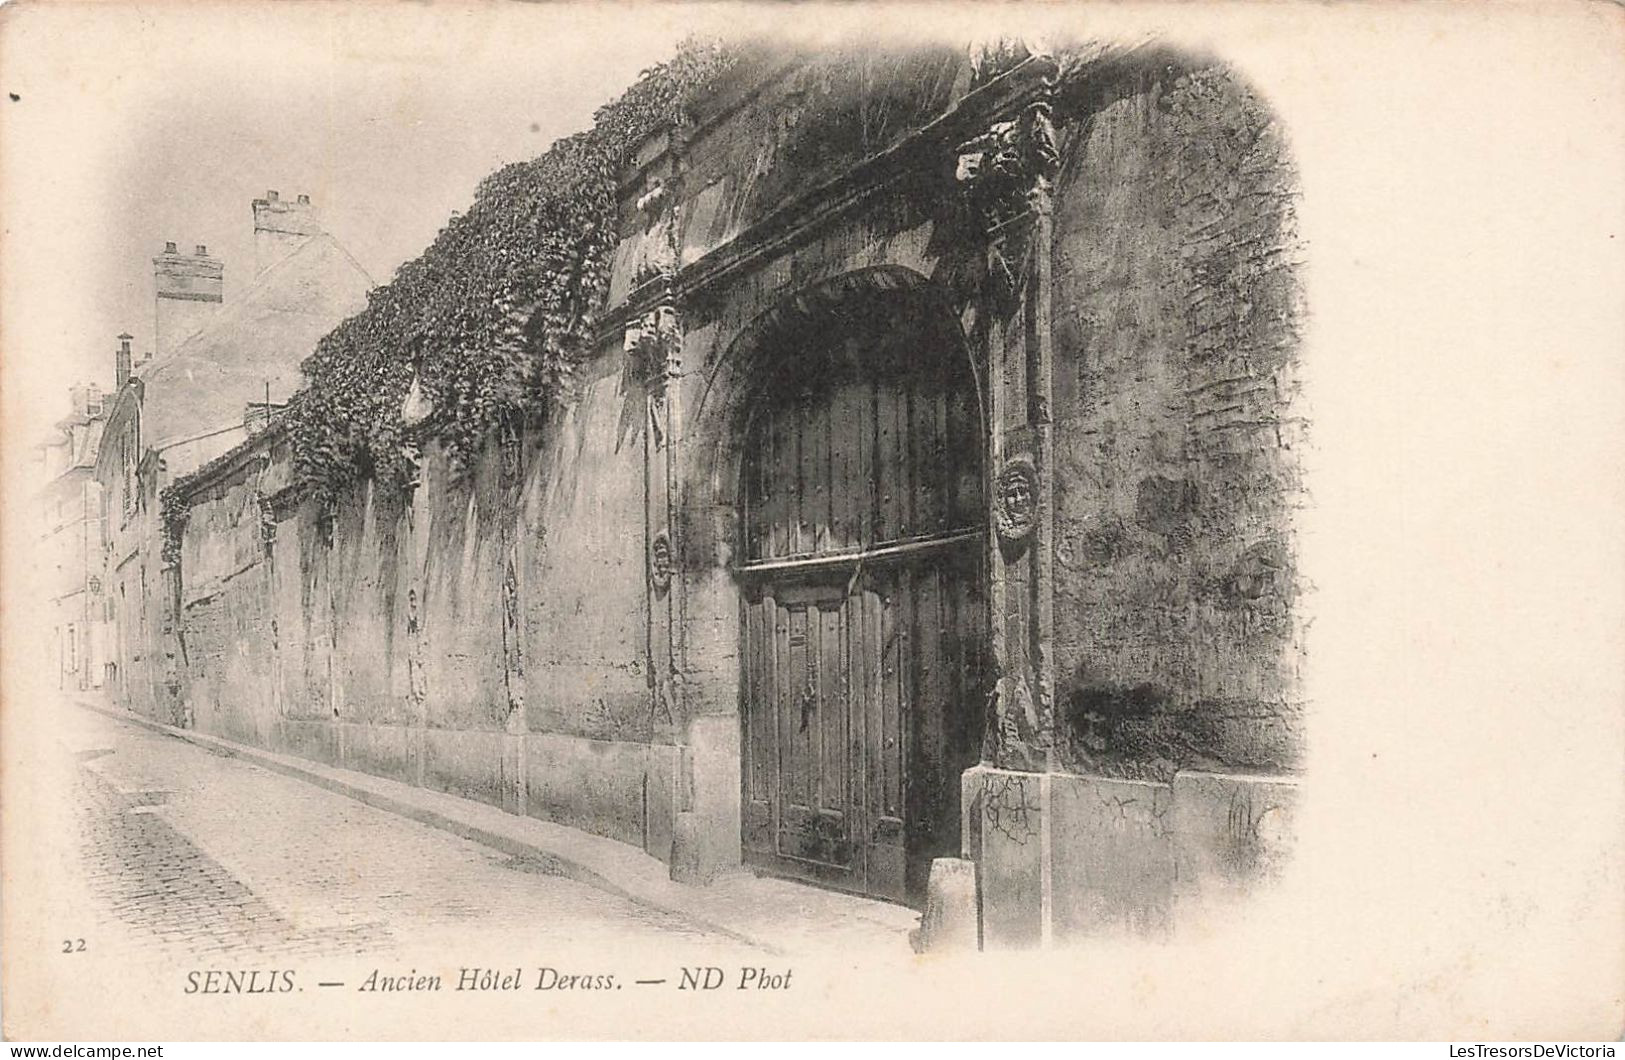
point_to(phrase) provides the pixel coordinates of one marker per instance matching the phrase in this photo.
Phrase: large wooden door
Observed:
(863, 655)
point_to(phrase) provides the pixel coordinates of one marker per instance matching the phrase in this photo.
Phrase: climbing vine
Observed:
(173, 507)
(490, 318)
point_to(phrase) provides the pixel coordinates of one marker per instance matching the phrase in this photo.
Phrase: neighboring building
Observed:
(70, 554)
(216, 373)
(927, 494)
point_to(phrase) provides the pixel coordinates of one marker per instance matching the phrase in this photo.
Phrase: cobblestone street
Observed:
(191, 853)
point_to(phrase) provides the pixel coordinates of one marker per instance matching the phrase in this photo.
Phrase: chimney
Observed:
(189, 289)
(121, 364)
(281, 227)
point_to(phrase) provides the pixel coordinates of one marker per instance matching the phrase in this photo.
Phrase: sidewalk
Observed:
(774, 915)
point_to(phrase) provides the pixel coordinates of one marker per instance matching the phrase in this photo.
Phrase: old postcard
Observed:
(537, 522)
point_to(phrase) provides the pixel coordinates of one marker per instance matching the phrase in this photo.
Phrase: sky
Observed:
(147, 124)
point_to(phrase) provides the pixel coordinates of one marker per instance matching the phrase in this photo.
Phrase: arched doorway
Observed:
(860, 555)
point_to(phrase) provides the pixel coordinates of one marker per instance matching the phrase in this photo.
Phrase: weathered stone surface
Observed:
(1008, 810)
(1176, 329)
(950, 922)
(316, 740)
(1112, 856)
(659, 799)
(382, 750)
(708, 840)
(378, 633)
(465, 763)
(507, 605)
(688, 861)
(594, 785)
(1121, 856)
(1232, 833)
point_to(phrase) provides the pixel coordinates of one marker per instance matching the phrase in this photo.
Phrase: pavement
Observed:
(203, 845)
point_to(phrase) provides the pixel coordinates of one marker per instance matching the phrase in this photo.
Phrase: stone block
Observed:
(1008, 809)
(464, 763)
(381, 750)
(688, 861)
(1112, 864)
(316, 740)
(1231, 832)
(951, 921)
(515, 772)
(659, 802)
(594, 785)
(1121, 857)
(705, 840)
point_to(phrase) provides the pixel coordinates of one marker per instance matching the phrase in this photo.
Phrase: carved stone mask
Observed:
(660, 561)
(1016, 500)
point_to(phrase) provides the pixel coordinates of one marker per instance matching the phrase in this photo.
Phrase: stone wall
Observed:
(496, 634)
(1176, 328)
(1063, 857)
(375, 638)
(1176, 323)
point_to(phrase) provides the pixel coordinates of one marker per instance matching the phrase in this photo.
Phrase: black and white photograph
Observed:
(694, 521)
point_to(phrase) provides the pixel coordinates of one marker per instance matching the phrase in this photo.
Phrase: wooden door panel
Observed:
(886, 853)
(815, 815)
(851, 444)
(832, 709)
(759, 739)
(861, 711)
(891, 476)
(866, 462)
(860, 700)
(965, 486)
(929, 462)
(924, 797)
(780, 487)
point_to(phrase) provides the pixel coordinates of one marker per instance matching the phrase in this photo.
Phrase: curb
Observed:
(569, 867)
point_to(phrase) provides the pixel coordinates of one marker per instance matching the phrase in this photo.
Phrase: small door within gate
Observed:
(864, 642)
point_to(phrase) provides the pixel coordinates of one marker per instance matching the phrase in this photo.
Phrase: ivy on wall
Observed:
(491, 317)
(174, 506)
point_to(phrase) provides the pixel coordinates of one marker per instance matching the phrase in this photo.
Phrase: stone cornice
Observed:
(804, 215)
(189, 296)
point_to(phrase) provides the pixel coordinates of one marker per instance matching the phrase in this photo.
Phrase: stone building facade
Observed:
(216, 373)
(928, 496)
(69, 554)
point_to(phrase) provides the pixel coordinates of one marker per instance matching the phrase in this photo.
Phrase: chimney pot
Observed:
(280, 228)
(121, 362)
(188, 288)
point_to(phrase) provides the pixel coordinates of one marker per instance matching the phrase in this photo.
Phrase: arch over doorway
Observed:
(841, 440)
